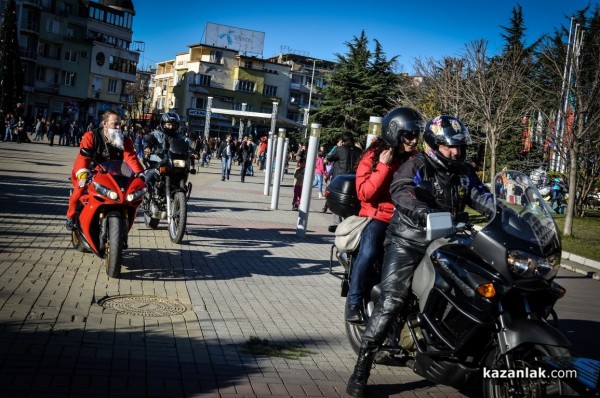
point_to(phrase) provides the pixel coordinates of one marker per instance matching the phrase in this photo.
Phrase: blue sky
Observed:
(410, 29)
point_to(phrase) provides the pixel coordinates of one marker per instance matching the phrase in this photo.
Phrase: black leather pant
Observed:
(399, 262)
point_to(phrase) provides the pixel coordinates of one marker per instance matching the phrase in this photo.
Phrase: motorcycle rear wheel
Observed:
(114, 247)
(148, 220)
(178, 219)
(525, 357)
(355, 332)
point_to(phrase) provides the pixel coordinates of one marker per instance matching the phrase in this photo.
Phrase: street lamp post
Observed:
(307, 183)
(307, 114)
(375, 123)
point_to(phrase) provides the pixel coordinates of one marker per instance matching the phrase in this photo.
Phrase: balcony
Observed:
(197, 88)
(32, 3)
(46, 87)
(30, 27)
(28, 55)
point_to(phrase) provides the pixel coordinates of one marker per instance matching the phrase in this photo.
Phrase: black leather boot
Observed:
(358, 381)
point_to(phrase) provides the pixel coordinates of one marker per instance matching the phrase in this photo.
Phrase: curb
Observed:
(581, 260)
(581, 265)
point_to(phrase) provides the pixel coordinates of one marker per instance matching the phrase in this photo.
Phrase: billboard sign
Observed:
(244, 40)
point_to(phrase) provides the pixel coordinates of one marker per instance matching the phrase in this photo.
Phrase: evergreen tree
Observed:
(11, 73)
(357, 89)
(513, 152)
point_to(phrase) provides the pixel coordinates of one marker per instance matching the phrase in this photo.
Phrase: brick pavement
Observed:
(240, 271)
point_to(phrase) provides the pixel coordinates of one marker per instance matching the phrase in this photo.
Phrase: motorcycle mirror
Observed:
(438, 225)
(88, 153)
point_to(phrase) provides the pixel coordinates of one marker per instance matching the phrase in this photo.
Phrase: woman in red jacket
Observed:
(401, 129)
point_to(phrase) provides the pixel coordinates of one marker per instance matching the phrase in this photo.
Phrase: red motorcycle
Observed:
(106, 212)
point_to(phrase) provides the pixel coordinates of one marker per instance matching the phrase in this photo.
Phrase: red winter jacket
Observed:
(103, 153)
(373, 186)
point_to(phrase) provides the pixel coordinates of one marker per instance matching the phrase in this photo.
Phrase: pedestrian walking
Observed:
(298, 182)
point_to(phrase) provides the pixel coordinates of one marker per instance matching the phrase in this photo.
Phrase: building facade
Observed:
(208, 77)
(307, 81)
(75, 56)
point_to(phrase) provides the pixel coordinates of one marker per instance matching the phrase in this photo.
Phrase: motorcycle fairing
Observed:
(443, 372)
(521, 331)
(117, 176)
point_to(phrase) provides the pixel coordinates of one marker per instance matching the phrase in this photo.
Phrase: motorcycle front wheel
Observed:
(525, 358)
(114, 247)
(178, 217)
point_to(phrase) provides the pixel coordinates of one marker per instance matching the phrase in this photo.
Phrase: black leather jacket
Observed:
(345, 158)
(453, 191)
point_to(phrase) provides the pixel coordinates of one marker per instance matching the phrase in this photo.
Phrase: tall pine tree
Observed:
(359, 87)
(514, 152)
(11, 73)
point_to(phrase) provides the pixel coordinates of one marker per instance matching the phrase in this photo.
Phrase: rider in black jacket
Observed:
(456, 185)
(156, 144)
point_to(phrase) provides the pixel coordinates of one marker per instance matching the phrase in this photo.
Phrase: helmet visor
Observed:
(410, 135)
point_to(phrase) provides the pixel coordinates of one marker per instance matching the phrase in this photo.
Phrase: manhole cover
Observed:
(143, 305)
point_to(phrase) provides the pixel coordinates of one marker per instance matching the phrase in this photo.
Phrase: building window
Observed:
(203, 80)
(199, 103)
(270, 91)
(40, 74)
(68, 78)
(244, 85)
(238, 107)
(52, 26)
(112, 86)
(216, 57)
(71, 56)
(248, 64)
(122, 65)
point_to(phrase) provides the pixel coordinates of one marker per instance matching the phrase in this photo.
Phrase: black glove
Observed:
(420, 216)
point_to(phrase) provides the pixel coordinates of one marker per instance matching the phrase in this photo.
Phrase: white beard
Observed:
(115, 138)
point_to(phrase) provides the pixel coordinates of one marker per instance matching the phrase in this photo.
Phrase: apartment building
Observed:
(76, 56)
(231, 81)
(307, 81)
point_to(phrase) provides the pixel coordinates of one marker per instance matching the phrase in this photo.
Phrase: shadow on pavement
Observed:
(41, 358)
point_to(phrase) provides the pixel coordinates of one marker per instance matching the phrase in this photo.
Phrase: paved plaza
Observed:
(182, 319)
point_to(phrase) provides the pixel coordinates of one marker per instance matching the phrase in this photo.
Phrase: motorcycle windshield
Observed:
(179, 146)
(523, 220)
(117, 168)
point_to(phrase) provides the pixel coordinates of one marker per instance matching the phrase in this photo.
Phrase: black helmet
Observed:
(446, 130)
(169, 117)
(400, 122)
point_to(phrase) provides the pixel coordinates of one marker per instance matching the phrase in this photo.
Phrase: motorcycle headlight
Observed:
(104, 191)
(178, 163)
(527, 265)
(136, 194)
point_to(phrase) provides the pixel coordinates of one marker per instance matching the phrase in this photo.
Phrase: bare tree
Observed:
(486, 93)
(493, 91)
(576, 136)
(436, 88)
(140, 96)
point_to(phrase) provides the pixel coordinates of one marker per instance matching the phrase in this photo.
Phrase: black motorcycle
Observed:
(480, 312)
(170, 189)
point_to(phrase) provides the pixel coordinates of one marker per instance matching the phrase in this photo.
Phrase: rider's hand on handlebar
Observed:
(82, 178)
